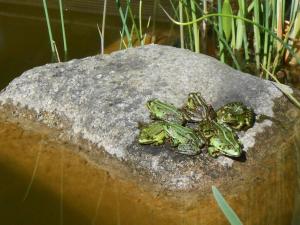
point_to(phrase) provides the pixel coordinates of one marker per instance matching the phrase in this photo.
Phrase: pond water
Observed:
(24, 41)
(48, 184)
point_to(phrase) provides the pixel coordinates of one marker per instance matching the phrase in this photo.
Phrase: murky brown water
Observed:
(24, 41)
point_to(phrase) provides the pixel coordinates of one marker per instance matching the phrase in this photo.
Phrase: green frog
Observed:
(221, 140)
(153, 133)
(165, 111)
(236, 115)
(196, 108)
(184, 138)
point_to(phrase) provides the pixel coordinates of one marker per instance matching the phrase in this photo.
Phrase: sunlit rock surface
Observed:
(103, 98)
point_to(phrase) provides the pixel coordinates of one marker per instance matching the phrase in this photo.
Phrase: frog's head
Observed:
(165, 111)
(195, 100)
(152, 133)
(224, 141)
(153, 105)
(198, 108)
(236, 115)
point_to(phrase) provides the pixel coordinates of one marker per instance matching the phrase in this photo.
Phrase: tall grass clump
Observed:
(254, 31)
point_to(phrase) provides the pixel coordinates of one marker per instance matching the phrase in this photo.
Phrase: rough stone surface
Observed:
(103, 98)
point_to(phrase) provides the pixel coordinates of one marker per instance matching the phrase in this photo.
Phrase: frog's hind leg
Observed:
(186, 149)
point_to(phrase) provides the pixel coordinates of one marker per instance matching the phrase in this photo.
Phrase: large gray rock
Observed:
(103, 98)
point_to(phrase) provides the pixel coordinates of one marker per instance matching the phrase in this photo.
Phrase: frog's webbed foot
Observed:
(213, 152)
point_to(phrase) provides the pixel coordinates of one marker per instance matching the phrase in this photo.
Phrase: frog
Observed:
(196, 108)
(236, 115)
(152, 133)
(164, 111)
(220, 139)
(184, 138)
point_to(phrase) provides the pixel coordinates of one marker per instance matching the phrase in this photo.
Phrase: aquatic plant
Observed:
(102, 32)
(226, 209)
(48, 26)
(132, 25)
(54, 50)
(271, 45)
(63, 26)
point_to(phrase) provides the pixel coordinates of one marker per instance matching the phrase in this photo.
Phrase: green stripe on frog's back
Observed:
(223, 129)
(184, 137)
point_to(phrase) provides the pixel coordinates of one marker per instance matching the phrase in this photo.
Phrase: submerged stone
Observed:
(101, 100)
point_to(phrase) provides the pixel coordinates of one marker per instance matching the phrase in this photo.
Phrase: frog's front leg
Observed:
(239, 125)
(213, 152)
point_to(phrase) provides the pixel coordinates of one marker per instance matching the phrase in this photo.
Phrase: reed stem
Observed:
(103, 26)
(63, 26)
(195, 28)
(181, 27)
(221, 46)
(48, 26)
(123, 18)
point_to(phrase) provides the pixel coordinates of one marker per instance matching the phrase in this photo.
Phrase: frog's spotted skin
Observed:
(215, 129)
(236, 115)
(184, 138)
(196, 108)
(164, 111)
(221, 140)
(153, 133)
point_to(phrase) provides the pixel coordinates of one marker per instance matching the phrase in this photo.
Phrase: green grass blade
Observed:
(124, 24)
(256, 42)
(123, 27)
(221, 46)
(272, 38)
(233, 41)
(227, 21)
(190, 35)
(226, 209)
(48, 26)
(239, 32)
(279, 23)
(181, 27)
(134, 27)
(266, 36)
(227, 47)
(294, 9)
(103, 26)
(296, 27)
(140, 22)
(63, 26)
(195, 28)
(242, 10)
